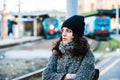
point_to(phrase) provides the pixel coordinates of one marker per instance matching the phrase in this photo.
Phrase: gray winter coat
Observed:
(58, 68)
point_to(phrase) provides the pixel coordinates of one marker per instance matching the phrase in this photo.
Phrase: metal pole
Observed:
(117, 17)
(4, 31)
(1, 26)
(19, 16)
(72, 8)
(35, 27)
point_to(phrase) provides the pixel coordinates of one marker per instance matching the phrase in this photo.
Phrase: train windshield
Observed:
(51, 21)
(102, 22)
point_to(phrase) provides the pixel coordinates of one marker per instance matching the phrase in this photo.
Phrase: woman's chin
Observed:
(64, 42)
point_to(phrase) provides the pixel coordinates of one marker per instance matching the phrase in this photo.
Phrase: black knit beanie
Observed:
(76, 24)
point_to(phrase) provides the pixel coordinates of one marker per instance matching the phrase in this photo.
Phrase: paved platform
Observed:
(116, 37)
(11, 41)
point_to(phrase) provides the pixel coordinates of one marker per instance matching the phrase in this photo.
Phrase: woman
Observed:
(72, 58)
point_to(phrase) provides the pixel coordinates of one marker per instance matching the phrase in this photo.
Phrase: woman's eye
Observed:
(69, 31)
(66, 30)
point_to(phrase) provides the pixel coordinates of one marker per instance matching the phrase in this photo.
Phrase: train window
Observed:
(51, 21)
(102, 22)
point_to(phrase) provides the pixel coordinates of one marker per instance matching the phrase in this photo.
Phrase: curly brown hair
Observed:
(80, 49)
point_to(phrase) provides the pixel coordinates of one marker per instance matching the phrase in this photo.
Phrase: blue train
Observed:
(98, 27)
(51, 28)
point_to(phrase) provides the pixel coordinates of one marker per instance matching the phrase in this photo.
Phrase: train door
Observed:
(28, 23)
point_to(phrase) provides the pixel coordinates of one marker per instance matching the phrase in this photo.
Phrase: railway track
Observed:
(31, 76)
(38, 74)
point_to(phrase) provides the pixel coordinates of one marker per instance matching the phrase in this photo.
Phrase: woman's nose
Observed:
(63, 33)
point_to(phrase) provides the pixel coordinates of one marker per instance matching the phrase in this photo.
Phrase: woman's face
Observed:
(67, 35)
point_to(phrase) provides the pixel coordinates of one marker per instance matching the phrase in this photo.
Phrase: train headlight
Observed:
(103, 28)
(51, 26)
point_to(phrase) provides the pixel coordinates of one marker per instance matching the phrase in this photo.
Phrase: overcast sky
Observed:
(34, 5)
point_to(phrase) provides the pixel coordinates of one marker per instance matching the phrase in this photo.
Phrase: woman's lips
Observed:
(64, 39)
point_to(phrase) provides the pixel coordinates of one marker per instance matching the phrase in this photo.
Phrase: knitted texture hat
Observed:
(76, 24)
